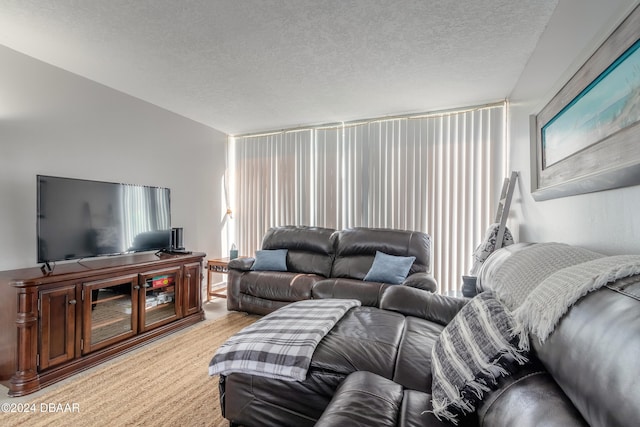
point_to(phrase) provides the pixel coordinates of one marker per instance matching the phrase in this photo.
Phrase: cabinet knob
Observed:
(136, 287)
(188, 276)
(146, 285)
(72, 302)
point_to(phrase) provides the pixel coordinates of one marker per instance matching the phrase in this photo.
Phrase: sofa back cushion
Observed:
(355, 249)
(310, 249)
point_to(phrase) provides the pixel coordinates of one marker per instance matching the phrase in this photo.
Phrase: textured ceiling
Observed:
(252, 65)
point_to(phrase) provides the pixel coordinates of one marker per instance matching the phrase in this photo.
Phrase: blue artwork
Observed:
(609, 104)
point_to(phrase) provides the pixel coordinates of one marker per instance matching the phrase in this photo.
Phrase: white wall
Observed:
(54, 122)
(607, 221)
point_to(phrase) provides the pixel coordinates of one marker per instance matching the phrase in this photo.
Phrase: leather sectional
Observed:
(391, 342)
(374, 368)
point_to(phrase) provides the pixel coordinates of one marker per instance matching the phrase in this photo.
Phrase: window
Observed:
(438, 173)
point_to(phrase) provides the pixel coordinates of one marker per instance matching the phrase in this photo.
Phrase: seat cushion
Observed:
(365, 339)
(278, 285)
(368, 293)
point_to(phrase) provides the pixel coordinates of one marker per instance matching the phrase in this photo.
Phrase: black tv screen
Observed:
(79, 218)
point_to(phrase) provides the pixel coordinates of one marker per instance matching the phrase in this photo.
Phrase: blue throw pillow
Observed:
(270, 260)
(389, 268)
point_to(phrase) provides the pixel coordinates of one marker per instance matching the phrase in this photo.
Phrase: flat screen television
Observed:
(78, 218)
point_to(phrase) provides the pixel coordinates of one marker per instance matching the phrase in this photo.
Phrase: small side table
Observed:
(220, 266)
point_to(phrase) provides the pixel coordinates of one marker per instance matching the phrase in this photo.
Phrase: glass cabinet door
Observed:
(110, 311)
(159, 293)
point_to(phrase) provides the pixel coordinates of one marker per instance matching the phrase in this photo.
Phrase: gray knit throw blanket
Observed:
(524, 270)
(550, 300)
(540, 284)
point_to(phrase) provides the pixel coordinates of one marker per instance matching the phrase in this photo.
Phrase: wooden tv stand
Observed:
(83, 313)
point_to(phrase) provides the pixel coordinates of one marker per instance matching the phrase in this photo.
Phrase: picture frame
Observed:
(587, 138)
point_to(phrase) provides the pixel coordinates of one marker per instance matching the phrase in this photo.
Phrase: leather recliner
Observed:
(324, 263)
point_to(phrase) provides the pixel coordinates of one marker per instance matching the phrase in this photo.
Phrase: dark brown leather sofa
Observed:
(391, 343)
(324, 263)
(374, 369)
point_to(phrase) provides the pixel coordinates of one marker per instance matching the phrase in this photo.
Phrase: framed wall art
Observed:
(587, 138)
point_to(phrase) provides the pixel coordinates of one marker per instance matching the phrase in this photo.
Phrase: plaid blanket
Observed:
(280, 345)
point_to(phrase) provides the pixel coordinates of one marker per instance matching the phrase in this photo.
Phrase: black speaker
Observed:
(177, 241)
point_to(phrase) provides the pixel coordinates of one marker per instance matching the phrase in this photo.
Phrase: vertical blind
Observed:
(438, 173)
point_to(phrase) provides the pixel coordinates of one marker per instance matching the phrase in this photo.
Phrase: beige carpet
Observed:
(165, 383)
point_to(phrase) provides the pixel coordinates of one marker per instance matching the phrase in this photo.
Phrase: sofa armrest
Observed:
(419, 303)
(241, 264)
(364, 399)
(517, 401)
(424, 281)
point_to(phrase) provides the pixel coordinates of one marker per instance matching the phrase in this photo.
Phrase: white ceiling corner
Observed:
(255, 65)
